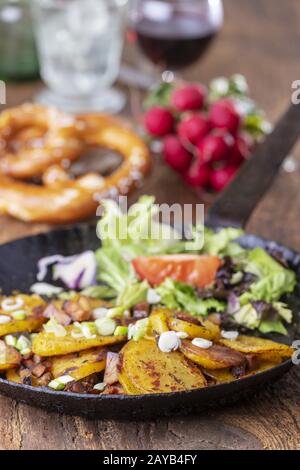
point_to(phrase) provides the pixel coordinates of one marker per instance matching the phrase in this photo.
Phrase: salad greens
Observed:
(248, 288)
(179, 296)
(273, 280)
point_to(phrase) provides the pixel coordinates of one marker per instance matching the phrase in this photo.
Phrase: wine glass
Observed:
(174, 34)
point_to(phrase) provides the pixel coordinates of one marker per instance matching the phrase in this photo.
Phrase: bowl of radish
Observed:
(205, 133)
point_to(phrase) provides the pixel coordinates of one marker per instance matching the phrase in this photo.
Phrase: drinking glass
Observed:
(18, 58)
(80, 44)
(174, 34)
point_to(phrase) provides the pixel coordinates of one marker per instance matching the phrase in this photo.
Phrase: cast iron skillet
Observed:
(18, 261)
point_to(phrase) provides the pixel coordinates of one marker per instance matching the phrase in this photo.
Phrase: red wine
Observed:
(177, 43)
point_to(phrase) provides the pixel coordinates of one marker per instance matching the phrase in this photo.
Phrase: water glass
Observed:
(18, 58)
(80, 44)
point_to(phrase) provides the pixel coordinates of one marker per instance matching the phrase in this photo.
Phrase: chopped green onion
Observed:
(101, 386)
(60, 382)
(89, 330)
(138, 330)
(25, 351)
(53, 327)
(23, 343)
(115, 312)
(11, 340)
(121, 331)
(100, 312)
(105, 326)
(65, 379)
(56, 385)
(19, 315)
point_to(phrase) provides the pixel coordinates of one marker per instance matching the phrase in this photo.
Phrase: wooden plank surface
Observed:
(261, 39)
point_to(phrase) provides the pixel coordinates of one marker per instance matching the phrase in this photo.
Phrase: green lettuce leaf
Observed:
(272, 327)
(179, 296)
(113, 269)
(99, 292)
(133, 294)
(221, 243)
(273, 279)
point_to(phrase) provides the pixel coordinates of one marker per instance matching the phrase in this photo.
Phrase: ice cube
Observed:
(89, 17)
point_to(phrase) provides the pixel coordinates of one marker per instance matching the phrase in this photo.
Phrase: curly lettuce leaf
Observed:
(273, 279)
(113, 269)
(272, 327)
(179, 296)
(222, 243)
(267, 318)
(133, 294)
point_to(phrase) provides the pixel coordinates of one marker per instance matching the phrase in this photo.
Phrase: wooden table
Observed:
(261, 39)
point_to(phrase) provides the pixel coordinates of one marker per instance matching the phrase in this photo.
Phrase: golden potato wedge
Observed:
(29, 302)
(13, 376)
(253, 345)
(263, 366)
(216, 357)
(10, 358)
(158, 321)
(79, 365)
(145, 369)
(47, 344)
(206, 330)
(220, 376)
(29, 325)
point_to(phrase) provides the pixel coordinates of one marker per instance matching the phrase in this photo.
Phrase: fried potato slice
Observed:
(206, 330)
(145, 369)
(79, 365)
(29, 325)
(220, 376)
(216, 357)
(25, 304)
(10, 358)
(29, 302)
(13, 376)
(158, 321)
(163, 319)
(47, 344)
(253, 345)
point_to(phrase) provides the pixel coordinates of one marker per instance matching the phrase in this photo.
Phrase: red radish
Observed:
(223, 115)
(159, 121)
(175, 154)
(242, 149)
(189, 98)
(198, 271)
(215, 147)
(193, 128)
(221, 178)
(198, 175)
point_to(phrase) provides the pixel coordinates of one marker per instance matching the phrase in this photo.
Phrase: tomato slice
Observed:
(196, 270)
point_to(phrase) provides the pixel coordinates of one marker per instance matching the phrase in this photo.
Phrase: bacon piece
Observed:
(111, 375)
(57, 314)
(77, 311)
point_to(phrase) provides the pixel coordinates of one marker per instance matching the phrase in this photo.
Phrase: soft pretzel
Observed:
(32, 137)
(64, 200)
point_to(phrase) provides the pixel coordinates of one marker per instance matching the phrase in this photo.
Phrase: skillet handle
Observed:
(236, 204)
